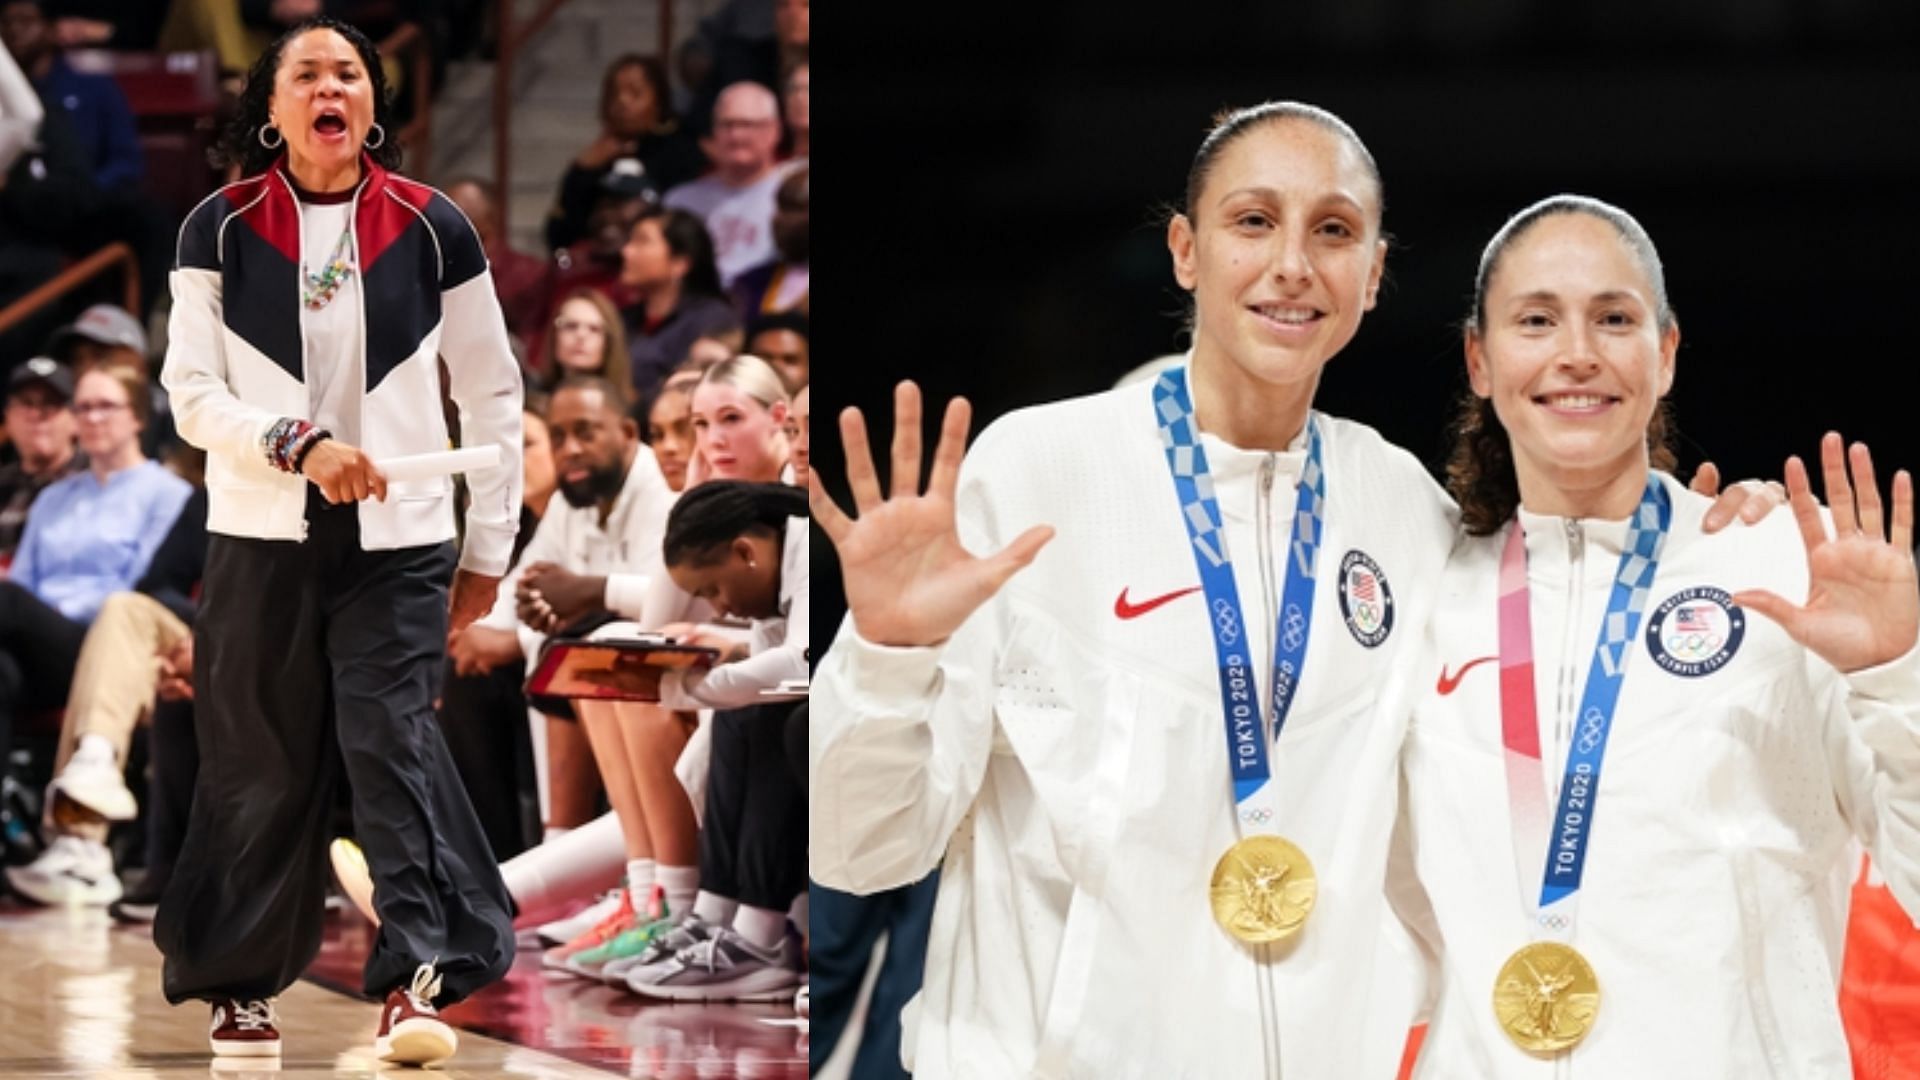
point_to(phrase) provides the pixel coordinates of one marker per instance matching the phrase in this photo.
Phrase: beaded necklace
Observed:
(319, 289)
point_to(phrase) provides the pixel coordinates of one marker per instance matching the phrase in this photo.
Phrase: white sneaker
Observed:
(70, 871)
(92, 779)
(564, 930)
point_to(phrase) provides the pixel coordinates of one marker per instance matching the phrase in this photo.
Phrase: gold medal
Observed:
(1546, 997)
(1262, 889)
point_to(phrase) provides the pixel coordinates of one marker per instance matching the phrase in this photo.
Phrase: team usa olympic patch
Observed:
(1365, 601)
(1696, 631)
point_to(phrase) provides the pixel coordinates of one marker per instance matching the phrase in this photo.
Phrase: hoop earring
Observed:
(278, 139)
(372, 143)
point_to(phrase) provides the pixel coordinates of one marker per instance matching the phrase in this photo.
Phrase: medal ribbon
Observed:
(1562, 849)
(1239, 694)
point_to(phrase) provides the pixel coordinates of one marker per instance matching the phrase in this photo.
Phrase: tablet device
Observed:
(612, 670)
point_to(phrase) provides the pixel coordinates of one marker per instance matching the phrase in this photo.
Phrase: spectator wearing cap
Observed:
(519, 280)
(783, 282)
(736, 200)
(594, 262)
(783, 340)
(638, 125)
(40, 427)
(107, 335)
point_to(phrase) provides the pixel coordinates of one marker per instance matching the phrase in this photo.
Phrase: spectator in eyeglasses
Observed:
(87, 536)
(736, 200)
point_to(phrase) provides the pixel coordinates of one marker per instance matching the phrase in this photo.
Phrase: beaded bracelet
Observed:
(305, 446)
(288, 441)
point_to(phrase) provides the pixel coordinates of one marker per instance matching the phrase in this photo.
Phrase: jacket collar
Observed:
(279, 181)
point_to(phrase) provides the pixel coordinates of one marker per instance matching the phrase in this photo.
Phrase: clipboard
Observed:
(612, 670)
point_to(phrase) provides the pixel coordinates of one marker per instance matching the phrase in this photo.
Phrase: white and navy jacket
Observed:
(235, 364)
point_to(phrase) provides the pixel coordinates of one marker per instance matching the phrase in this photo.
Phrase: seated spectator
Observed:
(595, 262)
(693, 67)
(796, 107)
(109, 334)
(587, 338)
(88, 536)
(668, 260)
(782, 340)
(40, 428)
(669, 428)
(739, 420)
(637, 123)
(95, 107)
(736, 200)
(781, 284)
(96, 112)
(519, 280)
(20, 112)
(710, 349)
(139, 646)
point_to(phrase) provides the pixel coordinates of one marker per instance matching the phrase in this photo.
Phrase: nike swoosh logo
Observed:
(1133, 611)
(1448, 685)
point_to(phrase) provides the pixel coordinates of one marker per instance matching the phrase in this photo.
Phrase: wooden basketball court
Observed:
(82, 999)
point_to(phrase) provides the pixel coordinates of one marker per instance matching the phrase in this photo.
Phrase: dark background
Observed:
(1011, 218)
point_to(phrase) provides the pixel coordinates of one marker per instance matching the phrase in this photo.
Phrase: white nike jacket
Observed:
(1738, 770)
(1063, 759)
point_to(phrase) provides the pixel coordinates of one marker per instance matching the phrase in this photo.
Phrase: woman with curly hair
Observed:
(311, 302)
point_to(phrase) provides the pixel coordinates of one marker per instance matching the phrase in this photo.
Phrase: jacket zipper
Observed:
(1263, 531)
(299, 280)
(1569, 684)
(1569, 673)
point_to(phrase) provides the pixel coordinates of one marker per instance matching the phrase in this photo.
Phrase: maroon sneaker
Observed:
(244, 1029)
(411, 1032)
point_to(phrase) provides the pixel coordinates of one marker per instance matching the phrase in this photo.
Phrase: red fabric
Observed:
(1414, 1039)
(1880, 985)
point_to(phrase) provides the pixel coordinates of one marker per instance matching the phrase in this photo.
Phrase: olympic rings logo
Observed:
(1694, 644)
(1227, 621)
(1259, 815)
(1293, 629)
(1554, 922)
(1590, 730)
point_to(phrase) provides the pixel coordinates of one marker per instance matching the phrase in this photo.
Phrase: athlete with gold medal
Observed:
(1671, 785)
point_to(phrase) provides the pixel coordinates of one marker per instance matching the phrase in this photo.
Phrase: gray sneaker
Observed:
(724, 967)
(692, 931)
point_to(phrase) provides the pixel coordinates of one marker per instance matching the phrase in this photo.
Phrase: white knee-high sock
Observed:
(576, 866)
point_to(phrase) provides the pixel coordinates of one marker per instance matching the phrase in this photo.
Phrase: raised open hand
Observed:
(1863, 602)
(908, 579)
